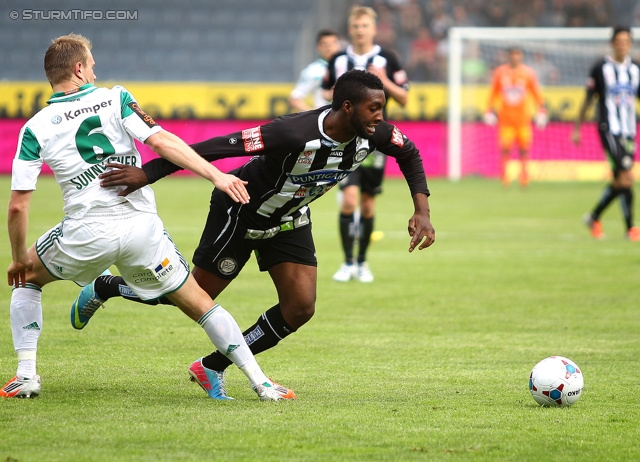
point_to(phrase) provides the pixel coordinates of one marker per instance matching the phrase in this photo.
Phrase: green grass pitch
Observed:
(430, 362)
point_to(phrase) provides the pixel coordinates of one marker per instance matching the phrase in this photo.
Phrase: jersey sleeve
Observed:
(494, 90)
(389, 140)
(305, 84)
(136, 122)
(330, 77)
(27, 163)
(593, 84)
(395, 71)
(248, 142)
(275, 136)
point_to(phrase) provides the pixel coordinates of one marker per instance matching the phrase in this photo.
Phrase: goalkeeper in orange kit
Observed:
(514, 86)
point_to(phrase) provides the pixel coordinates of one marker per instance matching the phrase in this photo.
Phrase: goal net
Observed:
(562, 59)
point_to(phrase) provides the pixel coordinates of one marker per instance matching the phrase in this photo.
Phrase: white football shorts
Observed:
(135, 242)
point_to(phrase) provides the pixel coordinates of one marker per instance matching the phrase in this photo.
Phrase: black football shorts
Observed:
(620, 150)
(226, 243)
(368, 176)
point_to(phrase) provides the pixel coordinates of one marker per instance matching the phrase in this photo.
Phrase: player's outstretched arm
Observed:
(172, 148)
(420, 228)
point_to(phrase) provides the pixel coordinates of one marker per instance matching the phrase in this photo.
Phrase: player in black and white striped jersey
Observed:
(297, 158)
(359, 190)
(615, 80)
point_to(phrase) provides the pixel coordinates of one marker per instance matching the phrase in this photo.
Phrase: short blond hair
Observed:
(62, 56)
(358, 11)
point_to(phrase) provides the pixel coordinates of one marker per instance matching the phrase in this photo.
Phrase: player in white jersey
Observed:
(311, 77)
(82, 129)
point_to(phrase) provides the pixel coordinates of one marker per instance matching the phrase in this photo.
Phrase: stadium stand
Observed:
(267, 41)
(225, 40)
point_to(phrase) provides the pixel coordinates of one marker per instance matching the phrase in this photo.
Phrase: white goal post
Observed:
(580, 44)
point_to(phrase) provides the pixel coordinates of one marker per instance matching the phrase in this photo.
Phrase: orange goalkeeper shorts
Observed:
(520, 135)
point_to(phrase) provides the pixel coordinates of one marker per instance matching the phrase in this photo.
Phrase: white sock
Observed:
(225, 334)
(26, 325)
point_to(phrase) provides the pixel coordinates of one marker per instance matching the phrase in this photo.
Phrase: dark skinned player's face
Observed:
(368, 113)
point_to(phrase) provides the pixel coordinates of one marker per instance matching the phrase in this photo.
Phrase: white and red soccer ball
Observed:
(556, 381)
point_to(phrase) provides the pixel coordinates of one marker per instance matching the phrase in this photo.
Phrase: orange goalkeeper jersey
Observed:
(512, 90)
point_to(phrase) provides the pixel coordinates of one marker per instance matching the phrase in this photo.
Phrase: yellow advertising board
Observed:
(202, 100)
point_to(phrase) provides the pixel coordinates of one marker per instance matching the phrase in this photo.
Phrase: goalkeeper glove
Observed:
(489, 118)
(541, 119)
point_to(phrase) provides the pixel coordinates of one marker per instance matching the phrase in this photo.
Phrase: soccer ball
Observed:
(556, 381)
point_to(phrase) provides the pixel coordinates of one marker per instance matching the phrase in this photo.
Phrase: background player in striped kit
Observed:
(615, 80)
(298, 158)
(311, 77)
(366, 182)
(75, 135)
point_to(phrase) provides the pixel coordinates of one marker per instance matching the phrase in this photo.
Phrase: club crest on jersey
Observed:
(227, 266)
(397, 137)
(361, 155)
(306, 158)
(252, 138)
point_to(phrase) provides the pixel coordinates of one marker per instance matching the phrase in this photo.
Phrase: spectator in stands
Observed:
(555, 16)
(434, 7)
(497, 13)
(310, 80)
(537, 11)
(440, 23)
(474, 68)
(460, 17)
(386, 35)
(410, 18)
(522, 15)
(578, 13)
(422, 63)
(547, 73)
(601, 13)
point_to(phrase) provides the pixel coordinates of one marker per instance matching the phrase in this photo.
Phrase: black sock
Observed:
(107, 287)
(366, 228)
(626, 202)
(608, 195)
(263, 335)
(347, 235)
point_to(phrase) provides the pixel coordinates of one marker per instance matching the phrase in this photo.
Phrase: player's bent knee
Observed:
(297, 315)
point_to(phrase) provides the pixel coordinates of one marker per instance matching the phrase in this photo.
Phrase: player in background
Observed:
(311, 77)
(513, 86)
(614, 80)
(83, 128)
(366, 182)
(297, 159)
